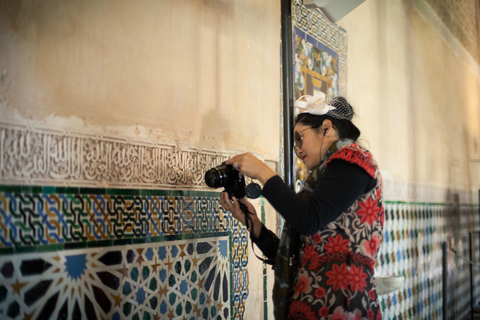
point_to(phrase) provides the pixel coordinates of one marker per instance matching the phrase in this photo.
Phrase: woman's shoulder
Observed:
(358, 155)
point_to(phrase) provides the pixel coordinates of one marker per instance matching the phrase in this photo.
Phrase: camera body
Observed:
(227, 177)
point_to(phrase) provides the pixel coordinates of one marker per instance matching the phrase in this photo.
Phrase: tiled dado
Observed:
(70, 253)
(412, 247)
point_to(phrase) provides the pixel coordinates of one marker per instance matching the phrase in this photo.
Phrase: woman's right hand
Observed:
(250, 166)
(233, 205)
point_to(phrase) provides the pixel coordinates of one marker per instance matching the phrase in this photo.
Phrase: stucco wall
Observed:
(417, 99)
(461, 18)
(200, 74)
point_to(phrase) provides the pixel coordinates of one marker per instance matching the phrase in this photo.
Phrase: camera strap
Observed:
(249, 224)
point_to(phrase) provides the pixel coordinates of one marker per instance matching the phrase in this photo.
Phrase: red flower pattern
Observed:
(356, 278)
(323, 312)
(337, 244)
(320, 293)
(378, 195)
(317, 238)
(369, 211)
(301, 310)
(355, 315)
(338, 314)
(355, 154)
(338, 277)
(303, 285)
(310, 255)
(371, 246)
(370, 314)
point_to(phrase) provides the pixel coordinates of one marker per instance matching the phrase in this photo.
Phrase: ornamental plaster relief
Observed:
(36, 155)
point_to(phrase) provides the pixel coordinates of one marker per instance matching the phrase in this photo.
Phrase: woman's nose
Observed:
(298, 152)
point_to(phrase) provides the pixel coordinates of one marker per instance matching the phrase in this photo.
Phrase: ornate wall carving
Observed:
(36, 155)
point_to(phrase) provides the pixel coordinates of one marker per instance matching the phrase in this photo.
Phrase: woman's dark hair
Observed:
(345, 128)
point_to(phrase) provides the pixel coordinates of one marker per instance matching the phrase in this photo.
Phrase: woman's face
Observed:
(308, 145)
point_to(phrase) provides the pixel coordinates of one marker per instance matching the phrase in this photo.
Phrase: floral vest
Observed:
(334, 272)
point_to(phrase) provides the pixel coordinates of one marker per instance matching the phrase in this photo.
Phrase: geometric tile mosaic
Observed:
(317, 26)
(412, 247)
(109, 253)
(182, 279)
(33, 216)
(119, 254)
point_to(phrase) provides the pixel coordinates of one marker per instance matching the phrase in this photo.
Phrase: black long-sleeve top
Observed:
(340, 185)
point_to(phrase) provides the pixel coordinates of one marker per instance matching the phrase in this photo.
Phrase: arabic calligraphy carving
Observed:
(39, 155)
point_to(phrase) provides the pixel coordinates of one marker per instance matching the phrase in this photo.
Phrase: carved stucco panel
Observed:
(34, 155)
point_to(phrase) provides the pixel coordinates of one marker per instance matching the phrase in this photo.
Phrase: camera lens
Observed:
(217, 177)
(227, 177)
(212, 178)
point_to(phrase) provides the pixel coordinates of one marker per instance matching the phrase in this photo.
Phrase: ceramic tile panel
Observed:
(119, 254)
(412, 247)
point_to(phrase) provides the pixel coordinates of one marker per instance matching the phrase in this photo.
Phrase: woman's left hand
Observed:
(233, 205)
(250, 166)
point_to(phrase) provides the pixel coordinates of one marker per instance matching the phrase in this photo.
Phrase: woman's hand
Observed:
(250, 166)
(233, 205)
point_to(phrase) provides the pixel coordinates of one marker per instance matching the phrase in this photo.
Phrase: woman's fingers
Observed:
(225, 201)
(233, 205)
(236, 211)
(244, 163)
(250, 166)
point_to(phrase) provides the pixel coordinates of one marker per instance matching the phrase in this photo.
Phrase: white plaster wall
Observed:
(196, 73)
(417, 97)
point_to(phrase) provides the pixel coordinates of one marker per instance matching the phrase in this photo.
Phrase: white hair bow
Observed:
(315, 105)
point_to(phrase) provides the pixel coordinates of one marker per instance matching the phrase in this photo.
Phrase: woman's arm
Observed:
(267, 242)
(341, 184)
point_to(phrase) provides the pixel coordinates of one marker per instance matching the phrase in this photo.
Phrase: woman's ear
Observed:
(326, 125)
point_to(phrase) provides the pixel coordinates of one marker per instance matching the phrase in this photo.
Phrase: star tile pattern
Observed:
(124, 282)
(68, 253)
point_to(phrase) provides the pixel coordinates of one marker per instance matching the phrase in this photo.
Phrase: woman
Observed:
(324, 260)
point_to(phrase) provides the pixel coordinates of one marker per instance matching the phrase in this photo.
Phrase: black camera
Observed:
(227, 177)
